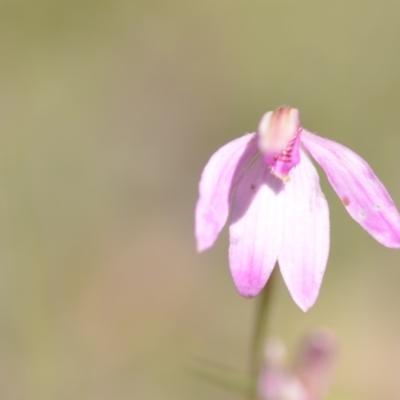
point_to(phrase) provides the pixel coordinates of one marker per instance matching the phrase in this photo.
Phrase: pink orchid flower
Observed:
(270, 188)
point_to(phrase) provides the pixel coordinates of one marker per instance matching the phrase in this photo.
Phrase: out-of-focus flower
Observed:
(269, 186)
(311, 376)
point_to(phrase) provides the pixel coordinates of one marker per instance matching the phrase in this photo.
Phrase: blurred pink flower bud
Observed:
(316, 362)
(311, 376)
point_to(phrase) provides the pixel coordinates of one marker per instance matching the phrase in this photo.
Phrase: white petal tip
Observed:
(206, 234)
(203, 245)
(305, 307)
(306, 302)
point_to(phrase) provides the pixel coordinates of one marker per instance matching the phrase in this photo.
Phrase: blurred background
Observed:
(108, 112)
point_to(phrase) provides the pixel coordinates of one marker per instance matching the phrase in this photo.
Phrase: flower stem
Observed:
(260, 330)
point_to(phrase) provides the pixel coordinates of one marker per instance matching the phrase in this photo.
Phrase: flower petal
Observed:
(220, 174)
(362, 193)
(256, 228)
(305, 244)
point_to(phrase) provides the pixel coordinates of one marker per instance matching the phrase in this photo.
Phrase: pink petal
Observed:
(362, 193)
(305, 244)
(221, 173)
(256, 228)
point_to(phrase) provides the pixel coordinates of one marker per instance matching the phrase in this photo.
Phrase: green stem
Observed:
(260, 329)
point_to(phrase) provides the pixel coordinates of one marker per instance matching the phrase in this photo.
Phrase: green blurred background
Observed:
(108, 112)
